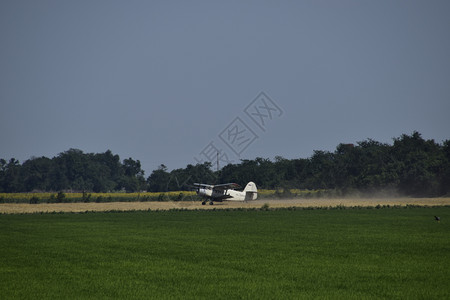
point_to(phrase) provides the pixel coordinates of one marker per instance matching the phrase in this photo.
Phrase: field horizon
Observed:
(357, 253)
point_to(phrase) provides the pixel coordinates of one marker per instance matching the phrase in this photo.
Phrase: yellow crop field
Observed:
(43, 197)
(92, 197)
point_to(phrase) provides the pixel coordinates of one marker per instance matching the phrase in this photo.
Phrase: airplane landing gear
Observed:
(204, 202)
(211, 203)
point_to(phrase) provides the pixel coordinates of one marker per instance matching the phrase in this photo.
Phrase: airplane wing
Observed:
(226, 186)
(203, 185)
(218, 187)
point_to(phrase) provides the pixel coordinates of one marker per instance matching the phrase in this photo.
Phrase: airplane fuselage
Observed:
(226, 192)
(229, 195)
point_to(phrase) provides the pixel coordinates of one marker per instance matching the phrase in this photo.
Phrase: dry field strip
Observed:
(15, 208)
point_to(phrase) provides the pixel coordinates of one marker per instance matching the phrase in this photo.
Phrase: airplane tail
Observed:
(251, 192)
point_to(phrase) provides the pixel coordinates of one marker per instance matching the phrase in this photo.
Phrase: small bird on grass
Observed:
(437, 219)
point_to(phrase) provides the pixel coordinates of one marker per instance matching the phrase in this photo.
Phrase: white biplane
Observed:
(226, 192)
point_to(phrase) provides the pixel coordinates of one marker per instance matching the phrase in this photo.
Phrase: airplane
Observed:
(226, 192)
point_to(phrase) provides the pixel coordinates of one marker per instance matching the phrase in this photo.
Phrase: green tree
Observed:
(35, 174)
(11, 177)
(321, 171)
(158, 180)
(2, 174)
(419, 164)
(133, 178)
(444, 179)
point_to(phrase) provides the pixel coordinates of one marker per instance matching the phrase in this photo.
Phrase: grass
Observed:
(391, 253)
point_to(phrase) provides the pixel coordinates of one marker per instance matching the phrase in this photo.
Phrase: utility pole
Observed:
(217, 161)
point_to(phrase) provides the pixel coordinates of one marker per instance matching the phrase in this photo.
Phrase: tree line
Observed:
(410, 166)
(72, 170)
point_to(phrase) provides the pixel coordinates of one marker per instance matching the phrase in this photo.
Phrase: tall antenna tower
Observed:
(217, 161)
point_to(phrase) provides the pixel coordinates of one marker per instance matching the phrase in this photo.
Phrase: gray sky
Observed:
(160, 81)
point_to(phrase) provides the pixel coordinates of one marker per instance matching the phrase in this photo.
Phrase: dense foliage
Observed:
(410, 166)
(72, 170)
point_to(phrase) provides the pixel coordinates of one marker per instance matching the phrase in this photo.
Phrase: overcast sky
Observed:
(170, 82)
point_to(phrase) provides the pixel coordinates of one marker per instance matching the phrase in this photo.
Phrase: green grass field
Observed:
(392, 253)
